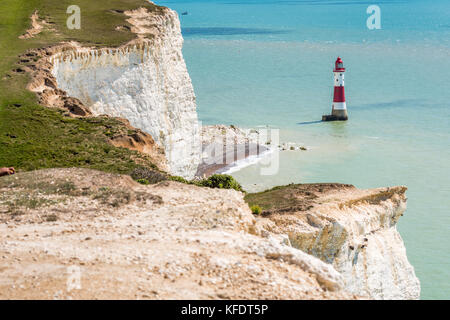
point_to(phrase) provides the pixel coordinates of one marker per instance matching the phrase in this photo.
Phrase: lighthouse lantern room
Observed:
(339, 108)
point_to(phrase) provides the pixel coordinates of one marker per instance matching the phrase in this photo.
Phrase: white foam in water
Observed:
(240, 164)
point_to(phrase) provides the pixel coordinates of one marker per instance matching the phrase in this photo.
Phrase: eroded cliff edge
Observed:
(144, 81)
(354, 230)
(128, 241)
(171, 240)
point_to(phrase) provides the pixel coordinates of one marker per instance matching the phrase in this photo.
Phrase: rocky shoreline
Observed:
(225, 146)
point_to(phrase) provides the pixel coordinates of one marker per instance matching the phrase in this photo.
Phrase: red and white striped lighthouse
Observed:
(339, 109)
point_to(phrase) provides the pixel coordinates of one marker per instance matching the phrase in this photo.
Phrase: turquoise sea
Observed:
(268, 62)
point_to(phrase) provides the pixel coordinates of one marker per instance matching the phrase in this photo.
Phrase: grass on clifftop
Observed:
(34, 137)
(271, 199)
(98, 22)
(291, 198)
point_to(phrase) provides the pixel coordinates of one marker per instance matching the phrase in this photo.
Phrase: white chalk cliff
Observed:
(145, 81)
(355, 231)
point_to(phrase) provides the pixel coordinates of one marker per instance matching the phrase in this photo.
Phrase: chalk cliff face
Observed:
(145, 81)
(355, 231)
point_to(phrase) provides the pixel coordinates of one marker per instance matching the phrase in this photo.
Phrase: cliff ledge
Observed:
(354, 230)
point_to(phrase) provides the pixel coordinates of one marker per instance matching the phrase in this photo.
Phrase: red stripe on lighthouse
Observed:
(339, 94)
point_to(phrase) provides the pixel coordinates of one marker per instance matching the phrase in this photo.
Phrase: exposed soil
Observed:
(83, 234)
(37, 26)
(295, 197)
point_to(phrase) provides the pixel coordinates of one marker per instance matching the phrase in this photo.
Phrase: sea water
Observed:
(269, 63)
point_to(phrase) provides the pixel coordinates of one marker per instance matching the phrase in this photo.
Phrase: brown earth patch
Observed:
(37, 26)
(293, 198)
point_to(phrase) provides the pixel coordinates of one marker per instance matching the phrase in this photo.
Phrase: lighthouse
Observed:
(339, 109)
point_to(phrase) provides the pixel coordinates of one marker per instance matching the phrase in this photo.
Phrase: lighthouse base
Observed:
(330, 117)
(336, 115)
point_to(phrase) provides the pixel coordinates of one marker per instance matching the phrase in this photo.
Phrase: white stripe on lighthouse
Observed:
(339, 106)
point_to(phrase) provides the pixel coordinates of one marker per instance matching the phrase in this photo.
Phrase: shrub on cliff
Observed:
(143, 181)
(256, 209)
(180, 179)
(147, 176)
(221, 181)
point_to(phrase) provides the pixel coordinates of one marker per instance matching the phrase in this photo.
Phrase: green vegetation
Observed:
(27, 201)
(114, 197)
(180, 179)
(34, 137)
(148, 176)
(36, 190)
(265, 199)
(143, 181)
(98, 22)
(221, 181)
(292, 197)
(256, 209)
(29, 182)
